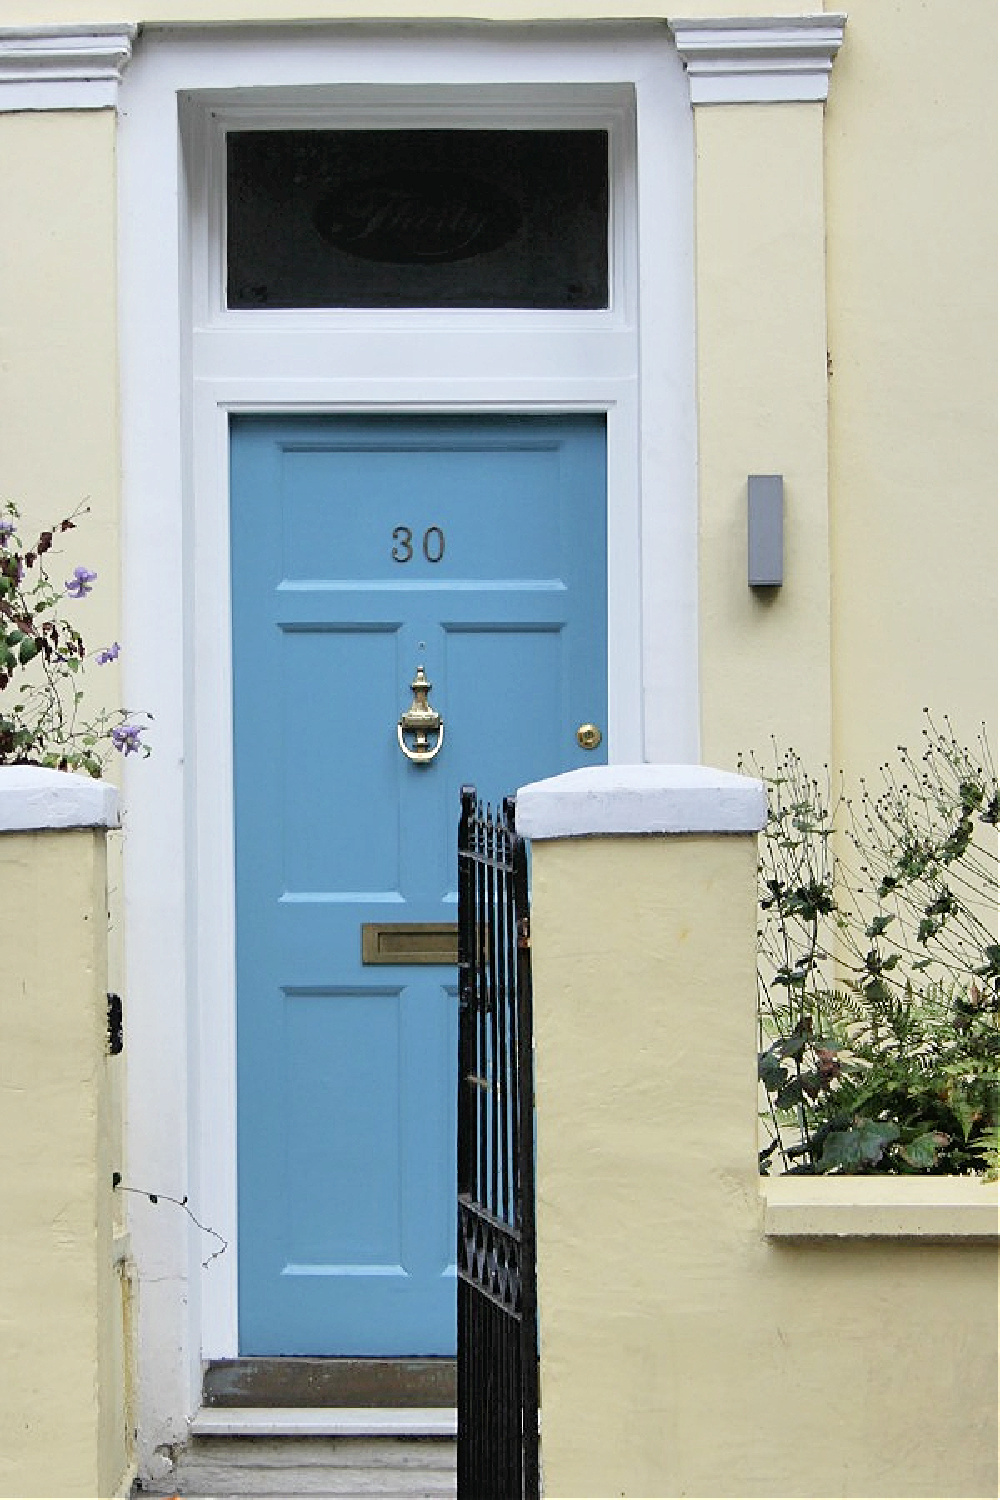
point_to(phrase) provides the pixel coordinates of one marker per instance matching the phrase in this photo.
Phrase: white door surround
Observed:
(187, 363)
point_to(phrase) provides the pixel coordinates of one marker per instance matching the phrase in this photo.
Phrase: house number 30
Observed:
(432, 544)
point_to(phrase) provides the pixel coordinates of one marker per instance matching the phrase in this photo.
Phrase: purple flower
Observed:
(110, 653)
(6, 531)
(125, 737)
(80, 583)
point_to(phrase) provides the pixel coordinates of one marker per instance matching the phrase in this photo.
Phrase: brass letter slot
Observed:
(409, 943)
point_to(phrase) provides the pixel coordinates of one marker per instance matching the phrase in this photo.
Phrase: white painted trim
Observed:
(640, 799)
(759, 59)
(35, 798)
(179, 886)
(952, 1209)
(332, 1421)
(63, 67)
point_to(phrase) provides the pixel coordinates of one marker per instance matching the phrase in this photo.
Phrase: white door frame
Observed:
(187, 363)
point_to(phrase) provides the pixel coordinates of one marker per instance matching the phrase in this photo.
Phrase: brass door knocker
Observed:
(421, 721)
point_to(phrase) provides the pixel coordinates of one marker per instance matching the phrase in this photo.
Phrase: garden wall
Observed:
(834, 1337)
(64, 1290)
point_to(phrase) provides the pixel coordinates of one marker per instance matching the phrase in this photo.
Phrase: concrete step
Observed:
(390, 1454)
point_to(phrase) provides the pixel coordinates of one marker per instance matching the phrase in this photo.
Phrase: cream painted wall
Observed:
(62, 1416)
(59, 439)
(682, 1352)
(765, 654)
(164, 12)
(59, 428)
(59, 449)
(912, 219)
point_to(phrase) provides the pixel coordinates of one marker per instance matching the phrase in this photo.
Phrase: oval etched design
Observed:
(417, 218)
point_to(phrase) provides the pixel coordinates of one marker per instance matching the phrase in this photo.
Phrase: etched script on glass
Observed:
(417, 218)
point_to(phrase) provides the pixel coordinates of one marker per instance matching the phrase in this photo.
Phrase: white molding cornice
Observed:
(63, 67)
(759, 59)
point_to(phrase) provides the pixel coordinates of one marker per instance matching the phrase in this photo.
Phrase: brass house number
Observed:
(432, 544)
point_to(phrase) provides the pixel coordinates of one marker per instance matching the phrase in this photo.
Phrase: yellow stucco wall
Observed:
(911, 232)
(30, 12)
(761, 330)
(59, 439)
(682, 1353)
(62, 1422)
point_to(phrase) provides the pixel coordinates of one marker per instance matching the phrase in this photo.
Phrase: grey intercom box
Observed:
(765, 530)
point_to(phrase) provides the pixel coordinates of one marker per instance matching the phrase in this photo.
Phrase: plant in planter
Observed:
(43, 663)
(879, 966)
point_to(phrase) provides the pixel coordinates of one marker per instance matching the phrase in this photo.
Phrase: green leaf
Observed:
(770, 1072)
(922, 1152)
(965, 1112)
(842, 1148)
(790, 1095)
(27, 650)
(874, 1137)
(876, 927)
(863, 1144)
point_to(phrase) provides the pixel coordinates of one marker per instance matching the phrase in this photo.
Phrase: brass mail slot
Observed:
(409, 943)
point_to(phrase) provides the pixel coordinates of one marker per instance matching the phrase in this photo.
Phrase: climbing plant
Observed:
(44, 662)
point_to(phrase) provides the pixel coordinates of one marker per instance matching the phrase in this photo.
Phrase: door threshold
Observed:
(311, 1421)
(353, 1384)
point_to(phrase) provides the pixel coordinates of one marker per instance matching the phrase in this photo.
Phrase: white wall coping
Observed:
(34, 797)
(873, 1207)
(641, 799)
(63, 66)
(759, 59)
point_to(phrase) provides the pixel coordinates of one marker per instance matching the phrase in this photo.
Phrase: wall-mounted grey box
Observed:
(765, 530)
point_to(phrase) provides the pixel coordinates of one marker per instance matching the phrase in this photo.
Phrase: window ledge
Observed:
(925, 1208)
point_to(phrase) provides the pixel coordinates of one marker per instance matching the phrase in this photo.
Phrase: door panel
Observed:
(362, 547)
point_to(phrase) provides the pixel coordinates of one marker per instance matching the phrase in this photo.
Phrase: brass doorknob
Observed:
(588, 736)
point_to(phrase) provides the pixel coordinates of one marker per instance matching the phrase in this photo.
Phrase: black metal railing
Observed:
(497, 1305)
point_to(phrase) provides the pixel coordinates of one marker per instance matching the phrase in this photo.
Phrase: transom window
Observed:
(454, 218)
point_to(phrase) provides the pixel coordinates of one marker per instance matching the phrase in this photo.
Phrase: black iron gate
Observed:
(497, 1307)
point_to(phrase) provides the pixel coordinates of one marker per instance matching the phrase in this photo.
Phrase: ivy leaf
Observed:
(877, 926)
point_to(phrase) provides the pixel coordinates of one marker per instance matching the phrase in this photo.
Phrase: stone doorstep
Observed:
(300, 1461)
(255, 1381)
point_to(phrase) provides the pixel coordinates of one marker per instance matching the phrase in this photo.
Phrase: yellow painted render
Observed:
(682, 1352)
(59, 398)
(911, 235)
(61, 1418)
(207, 12)
(59, 430)
(761, 351)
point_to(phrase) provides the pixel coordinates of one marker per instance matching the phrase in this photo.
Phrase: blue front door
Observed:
(362, 548)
